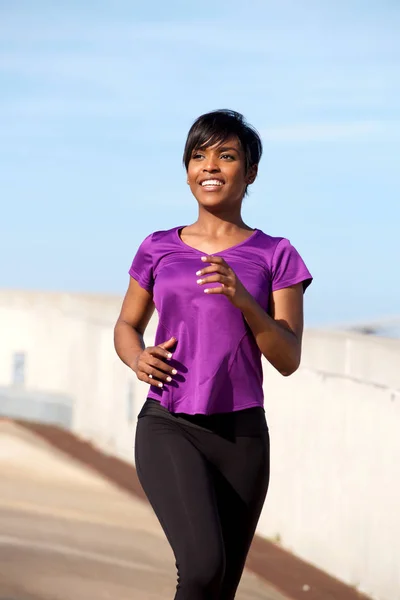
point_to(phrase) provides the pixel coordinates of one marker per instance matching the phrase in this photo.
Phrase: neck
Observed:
(221, 222)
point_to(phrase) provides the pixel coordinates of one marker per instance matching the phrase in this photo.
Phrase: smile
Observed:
(211, 183)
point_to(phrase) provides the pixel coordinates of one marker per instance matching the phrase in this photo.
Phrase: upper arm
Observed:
(137, 307)
(290, 278)
(286, 307)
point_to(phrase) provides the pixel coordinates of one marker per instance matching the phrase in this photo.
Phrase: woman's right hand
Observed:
(150, 365)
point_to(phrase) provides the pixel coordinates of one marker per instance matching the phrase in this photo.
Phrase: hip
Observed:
(245, 422)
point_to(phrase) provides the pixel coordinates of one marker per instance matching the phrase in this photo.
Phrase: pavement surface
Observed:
(67, 533)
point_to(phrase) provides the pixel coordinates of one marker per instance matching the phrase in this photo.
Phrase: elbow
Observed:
(288, 372)
(116, 332)
(119, 327)
(290, 367)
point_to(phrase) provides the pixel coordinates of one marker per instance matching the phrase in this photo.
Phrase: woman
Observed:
(225, 295)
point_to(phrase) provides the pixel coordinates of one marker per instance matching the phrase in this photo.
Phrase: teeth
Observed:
(212, 182)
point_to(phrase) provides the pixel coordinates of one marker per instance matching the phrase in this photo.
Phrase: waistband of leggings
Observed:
(249, 421)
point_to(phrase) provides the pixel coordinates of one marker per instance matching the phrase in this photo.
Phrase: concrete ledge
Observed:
(370, 359)
(37, 405)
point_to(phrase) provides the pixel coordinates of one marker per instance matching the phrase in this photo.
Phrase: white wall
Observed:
(335, 484)
(68, 342)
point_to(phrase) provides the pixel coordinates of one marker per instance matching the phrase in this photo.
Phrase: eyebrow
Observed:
(226, 148)
(222, 149)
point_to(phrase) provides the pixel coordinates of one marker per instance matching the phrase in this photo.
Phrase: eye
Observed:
(197, 155)
(227, 156)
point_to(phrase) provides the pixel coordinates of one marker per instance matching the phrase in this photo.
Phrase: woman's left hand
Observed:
(231, 286)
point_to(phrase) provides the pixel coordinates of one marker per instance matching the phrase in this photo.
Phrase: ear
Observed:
(251, 174)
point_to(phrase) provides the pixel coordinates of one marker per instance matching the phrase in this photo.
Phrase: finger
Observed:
(155, 363)
(218, 290)
(213, 269)
(169, 343)
(160, 352)
(215, 278)
(149, 379)
(156, 375)
(216, 260)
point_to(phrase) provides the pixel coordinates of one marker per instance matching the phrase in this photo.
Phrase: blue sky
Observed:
(96, 99)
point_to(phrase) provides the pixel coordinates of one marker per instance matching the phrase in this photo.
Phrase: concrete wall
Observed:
(335, 484)
(67, 341)
(335, 488)
(18, 403)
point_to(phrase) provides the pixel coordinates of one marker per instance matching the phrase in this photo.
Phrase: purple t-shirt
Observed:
(216, 355)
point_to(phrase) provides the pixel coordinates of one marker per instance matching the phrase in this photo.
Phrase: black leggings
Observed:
(206, 478)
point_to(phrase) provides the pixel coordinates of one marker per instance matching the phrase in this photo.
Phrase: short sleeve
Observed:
(142, 265)
(288, 268)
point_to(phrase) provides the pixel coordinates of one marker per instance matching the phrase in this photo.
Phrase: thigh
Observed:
(241, 484)
(179, 486)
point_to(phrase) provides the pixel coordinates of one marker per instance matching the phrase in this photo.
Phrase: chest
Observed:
(176, 279)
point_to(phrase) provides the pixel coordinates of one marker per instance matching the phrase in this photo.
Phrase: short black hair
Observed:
(217, 126)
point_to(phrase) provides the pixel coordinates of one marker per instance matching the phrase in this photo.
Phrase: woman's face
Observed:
(217, 174)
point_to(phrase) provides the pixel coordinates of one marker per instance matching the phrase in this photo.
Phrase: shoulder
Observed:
(165, 235)
(149, 253)
(153, 240)
(269, 244)
(286, 265)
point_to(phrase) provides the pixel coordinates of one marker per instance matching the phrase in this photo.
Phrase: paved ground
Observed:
(66, 533)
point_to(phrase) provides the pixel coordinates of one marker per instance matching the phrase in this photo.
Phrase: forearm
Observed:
(278, 344)
(128, 343)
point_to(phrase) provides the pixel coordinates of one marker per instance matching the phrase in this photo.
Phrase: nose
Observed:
(211, 165)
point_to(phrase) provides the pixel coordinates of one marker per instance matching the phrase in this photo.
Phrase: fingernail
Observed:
(204, 258)
(160, 385)
(169, 378)
(199, 281)
(150, 376)
(169, 355)
(206, 291)
(174, 372)
(198, 272)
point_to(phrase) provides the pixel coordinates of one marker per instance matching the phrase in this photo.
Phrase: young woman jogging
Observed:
(225, 295)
